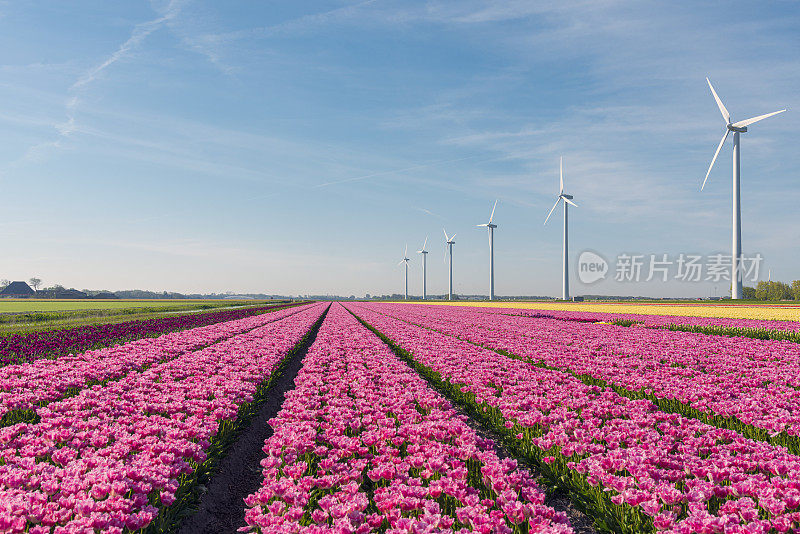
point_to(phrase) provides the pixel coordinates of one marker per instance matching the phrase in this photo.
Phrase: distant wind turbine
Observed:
(736, 128)
(448, 243)
(424, 268)
(405, 260)
(565, 248)
(490, 226)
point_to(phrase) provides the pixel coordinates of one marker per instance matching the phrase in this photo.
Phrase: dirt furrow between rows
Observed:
(221, 509)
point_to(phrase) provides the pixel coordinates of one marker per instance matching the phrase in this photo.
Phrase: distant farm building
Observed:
(17, 289)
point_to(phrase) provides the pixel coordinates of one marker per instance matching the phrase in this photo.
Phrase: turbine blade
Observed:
(401, 262)
(561, 174)
(452, 237)
(492, 215)
(445, 235)
(724, 137)
(482, 225)
(425, 243)
(747, 122)
(568, 201)
(722, 108)
(552, 210)
(405, 254)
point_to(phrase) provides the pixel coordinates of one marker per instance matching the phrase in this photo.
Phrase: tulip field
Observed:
(411, 418)
(364, 443)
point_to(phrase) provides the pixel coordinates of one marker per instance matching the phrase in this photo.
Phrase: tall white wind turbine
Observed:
(424, 268)
(448, 243)
(565, 246)
(736, 128)
(405, 260)
(490, 226)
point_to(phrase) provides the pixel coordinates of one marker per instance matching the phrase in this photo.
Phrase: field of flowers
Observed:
(119, 455)
(733, 379)
(25, 347)
(652, 320)
(364, 444)
(26, 387)
(719, 311)
(636, 466)
(408, 418)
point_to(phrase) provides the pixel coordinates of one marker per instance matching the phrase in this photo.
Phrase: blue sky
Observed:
(296, 147)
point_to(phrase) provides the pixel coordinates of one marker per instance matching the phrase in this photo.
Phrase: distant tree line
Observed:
(57, 291)
(767, 290)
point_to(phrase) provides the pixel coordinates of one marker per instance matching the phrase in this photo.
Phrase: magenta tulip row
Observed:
(362, 444)
(755, 381)
(650, 320)
(112, 457)
(686, 475)
(28, 385)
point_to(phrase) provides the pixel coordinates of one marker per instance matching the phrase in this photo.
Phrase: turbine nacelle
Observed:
(736, 127)
(490, 225)
(562, 196)
(405, 259)
(423, 251)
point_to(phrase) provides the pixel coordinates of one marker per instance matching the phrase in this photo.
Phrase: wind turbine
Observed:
(424, 268)
(405, 260)
(564, 252)
(736, 128)
(491, 228)
(448, 243)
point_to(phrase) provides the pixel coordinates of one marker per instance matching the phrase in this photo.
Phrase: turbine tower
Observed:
(405, 260)
(424, 269)
(565, 249)
(736, 128)
(448, 243)
(489, 226)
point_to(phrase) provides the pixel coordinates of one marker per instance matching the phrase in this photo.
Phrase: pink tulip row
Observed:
(362, 444)
(28, 385)
(686, 475)
(755, 381)
(654, 321)
(108, 458)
